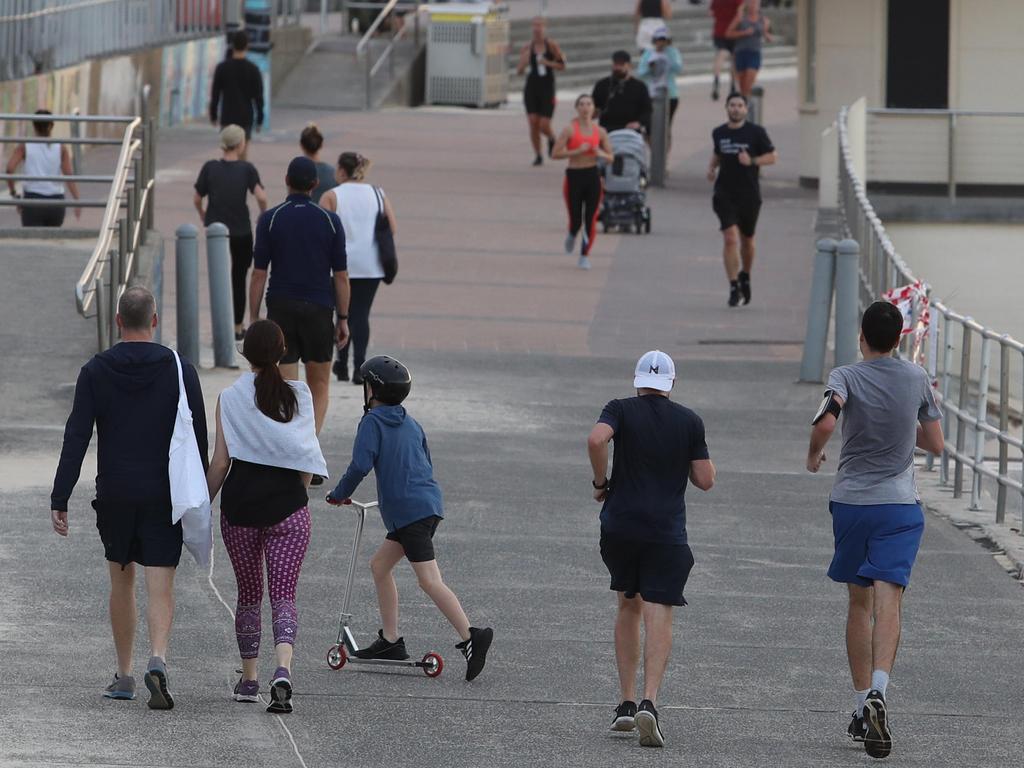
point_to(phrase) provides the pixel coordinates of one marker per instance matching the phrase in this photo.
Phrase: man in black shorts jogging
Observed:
(659, 445)
(305, 244)
(740, 149)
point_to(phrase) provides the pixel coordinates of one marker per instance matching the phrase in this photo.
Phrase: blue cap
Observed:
(302, 174)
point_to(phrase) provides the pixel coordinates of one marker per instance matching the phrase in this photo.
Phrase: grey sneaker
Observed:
(120, 688)
(280, 692)
(570, 243)
(156, 681)
(584, 262)
(247, 690)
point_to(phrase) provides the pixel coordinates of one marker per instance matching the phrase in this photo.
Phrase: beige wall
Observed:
(986, 59)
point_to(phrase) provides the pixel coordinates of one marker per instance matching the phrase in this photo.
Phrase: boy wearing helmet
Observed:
(391, 443)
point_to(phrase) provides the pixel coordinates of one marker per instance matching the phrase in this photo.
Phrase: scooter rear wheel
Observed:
(434, 664)
(336, 657)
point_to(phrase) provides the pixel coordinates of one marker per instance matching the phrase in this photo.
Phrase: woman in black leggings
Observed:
(358, 204)
(583, 142)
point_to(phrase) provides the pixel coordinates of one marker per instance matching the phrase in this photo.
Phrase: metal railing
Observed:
(372, 66)
(970, 391)
(949, 147)
(44, 35)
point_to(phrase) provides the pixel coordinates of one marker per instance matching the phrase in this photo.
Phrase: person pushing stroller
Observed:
(390, 442)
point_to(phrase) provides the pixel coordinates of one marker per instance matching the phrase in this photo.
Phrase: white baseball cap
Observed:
(655, 370)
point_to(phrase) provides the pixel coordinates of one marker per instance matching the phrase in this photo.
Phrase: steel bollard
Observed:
(218, 262)
(819, 311)
(186, 265)
(847, 314)
(755, 105)
(659, 138)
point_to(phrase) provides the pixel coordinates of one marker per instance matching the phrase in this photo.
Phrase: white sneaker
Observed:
(584, 263)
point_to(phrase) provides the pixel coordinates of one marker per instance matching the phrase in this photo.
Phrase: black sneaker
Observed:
(877, 737)
(316, 480)
(538, 160)
(745, 287)
(340, 370)
(383, 649)
(475, 650)
(714, 90)
(857, 728)
(551, 146)
(625, 715)
(647, 725)
(734, 294)
(357, 379)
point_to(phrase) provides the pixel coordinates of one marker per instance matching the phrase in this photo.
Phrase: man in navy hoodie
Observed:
(391, 443)
(130, 393)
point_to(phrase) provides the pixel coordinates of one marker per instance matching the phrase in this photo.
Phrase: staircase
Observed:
(588, 43)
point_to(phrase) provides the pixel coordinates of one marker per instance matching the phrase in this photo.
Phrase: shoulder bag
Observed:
(385, 241)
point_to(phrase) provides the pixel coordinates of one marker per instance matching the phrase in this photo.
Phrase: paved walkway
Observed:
(514, 353)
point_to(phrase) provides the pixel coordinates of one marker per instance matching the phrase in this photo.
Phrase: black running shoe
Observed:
(383, 649)
(877, 737)
(357, 379)
(625, 715)
(538, 160)
(647, 725)
(745, 287)
(857, 728)
(316, 480)
(734, 294)
(475, 650)
(340, 370)
(551, 146)
(714, 90)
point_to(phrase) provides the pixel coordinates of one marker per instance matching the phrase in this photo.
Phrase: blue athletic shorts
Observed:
(875, 542)
(746, 59)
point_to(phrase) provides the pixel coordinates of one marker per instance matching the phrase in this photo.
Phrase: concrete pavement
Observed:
(514, 353)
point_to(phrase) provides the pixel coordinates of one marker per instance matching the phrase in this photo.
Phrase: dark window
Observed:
(917, 62)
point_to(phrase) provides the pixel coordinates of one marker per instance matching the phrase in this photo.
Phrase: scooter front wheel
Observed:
(432, 664)
(336, 657)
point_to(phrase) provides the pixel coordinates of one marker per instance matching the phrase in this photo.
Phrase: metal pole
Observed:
(846, 330)
(123, 244)
(982, 415)
(186, 264)
(1004, 427)
(323, 17)
(659, 138)
(102, 326)
(756, 110)
(933, 354)
(952, 157)
(947, 364)
(218, 262)
(812, 366)
(150, 149)
(961, 427)
(366, 61)
(113, 269)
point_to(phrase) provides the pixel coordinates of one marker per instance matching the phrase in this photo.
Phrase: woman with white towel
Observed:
(265, 456)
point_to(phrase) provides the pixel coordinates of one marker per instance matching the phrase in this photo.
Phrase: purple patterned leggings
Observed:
(284, 546)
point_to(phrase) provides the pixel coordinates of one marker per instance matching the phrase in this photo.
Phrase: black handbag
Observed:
(385, 241)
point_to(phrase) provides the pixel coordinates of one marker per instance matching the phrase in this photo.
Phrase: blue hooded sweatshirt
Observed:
(391, 443)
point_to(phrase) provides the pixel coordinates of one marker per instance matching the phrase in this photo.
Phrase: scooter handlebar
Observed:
(360, 506)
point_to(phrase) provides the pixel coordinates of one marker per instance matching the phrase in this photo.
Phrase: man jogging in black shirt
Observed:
(621, 100)
(237, 92)
(740, 148)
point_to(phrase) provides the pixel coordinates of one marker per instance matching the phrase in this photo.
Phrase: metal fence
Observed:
(43, 35)
(976, 395)
(379, 15)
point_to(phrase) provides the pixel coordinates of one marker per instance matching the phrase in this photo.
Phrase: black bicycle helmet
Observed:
(388, 380)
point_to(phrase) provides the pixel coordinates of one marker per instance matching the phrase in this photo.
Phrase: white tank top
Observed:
(357, 207)
(43, 160)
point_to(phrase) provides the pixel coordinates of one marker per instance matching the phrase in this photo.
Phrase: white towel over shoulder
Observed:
(252, 436)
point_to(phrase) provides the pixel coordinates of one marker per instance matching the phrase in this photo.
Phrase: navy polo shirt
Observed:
(301, 244)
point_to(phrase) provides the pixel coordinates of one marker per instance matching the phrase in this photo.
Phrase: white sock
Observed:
(861, 698)
(880, 680)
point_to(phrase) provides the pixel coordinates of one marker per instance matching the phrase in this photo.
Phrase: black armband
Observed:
(829, 404)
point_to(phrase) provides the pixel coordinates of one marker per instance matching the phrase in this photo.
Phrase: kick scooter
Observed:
(341, 653)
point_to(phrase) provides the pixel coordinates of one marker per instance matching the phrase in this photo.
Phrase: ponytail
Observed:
(263, 348)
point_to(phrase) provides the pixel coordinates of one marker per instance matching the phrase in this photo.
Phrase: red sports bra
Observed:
(578, 139)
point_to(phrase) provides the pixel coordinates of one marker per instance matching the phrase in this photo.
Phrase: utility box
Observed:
(467, 49)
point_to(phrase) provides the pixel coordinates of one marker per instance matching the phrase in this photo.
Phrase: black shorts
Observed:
(138, 532)
(417, 539)
(736, 211)
(657, 572)
(539, 100)
(724, 44)
(308, 329)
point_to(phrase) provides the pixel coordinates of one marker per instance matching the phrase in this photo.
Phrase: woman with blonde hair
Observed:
(358, 204)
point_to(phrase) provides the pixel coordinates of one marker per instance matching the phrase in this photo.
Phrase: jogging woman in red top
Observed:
(583, 142)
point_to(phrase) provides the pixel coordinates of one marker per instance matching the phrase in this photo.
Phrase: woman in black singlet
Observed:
(542, 57)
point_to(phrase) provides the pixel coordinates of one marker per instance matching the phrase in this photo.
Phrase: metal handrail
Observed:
(881, 269)
(372, 29)
(371, 69)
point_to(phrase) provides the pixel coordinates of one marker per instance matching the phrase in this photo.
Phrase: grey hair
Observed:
(136, 308)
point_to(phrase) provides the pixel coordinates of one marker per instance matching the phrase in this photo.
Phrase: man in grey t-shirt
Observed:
(888, 409)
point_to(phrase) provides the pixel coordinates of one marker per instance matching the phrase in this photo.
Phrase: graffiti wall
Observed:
(60, 91)
(187, 73)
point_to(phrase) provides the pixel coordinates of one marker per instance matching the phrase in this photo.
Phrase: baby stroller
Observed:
(625, 184)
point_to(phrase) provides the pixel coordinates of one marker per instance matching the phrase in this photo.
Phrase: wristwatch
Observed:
(343, 317)
(603, 486)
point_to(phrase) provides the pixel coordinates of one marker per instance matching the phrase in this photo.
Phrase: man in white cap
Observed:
(659, 446)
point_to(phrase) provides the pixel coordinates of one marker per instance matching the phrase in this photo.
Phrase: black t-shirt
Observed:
(735, 179)
(256, 495)
(655, 441)
(226, 183)
(622, 102)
